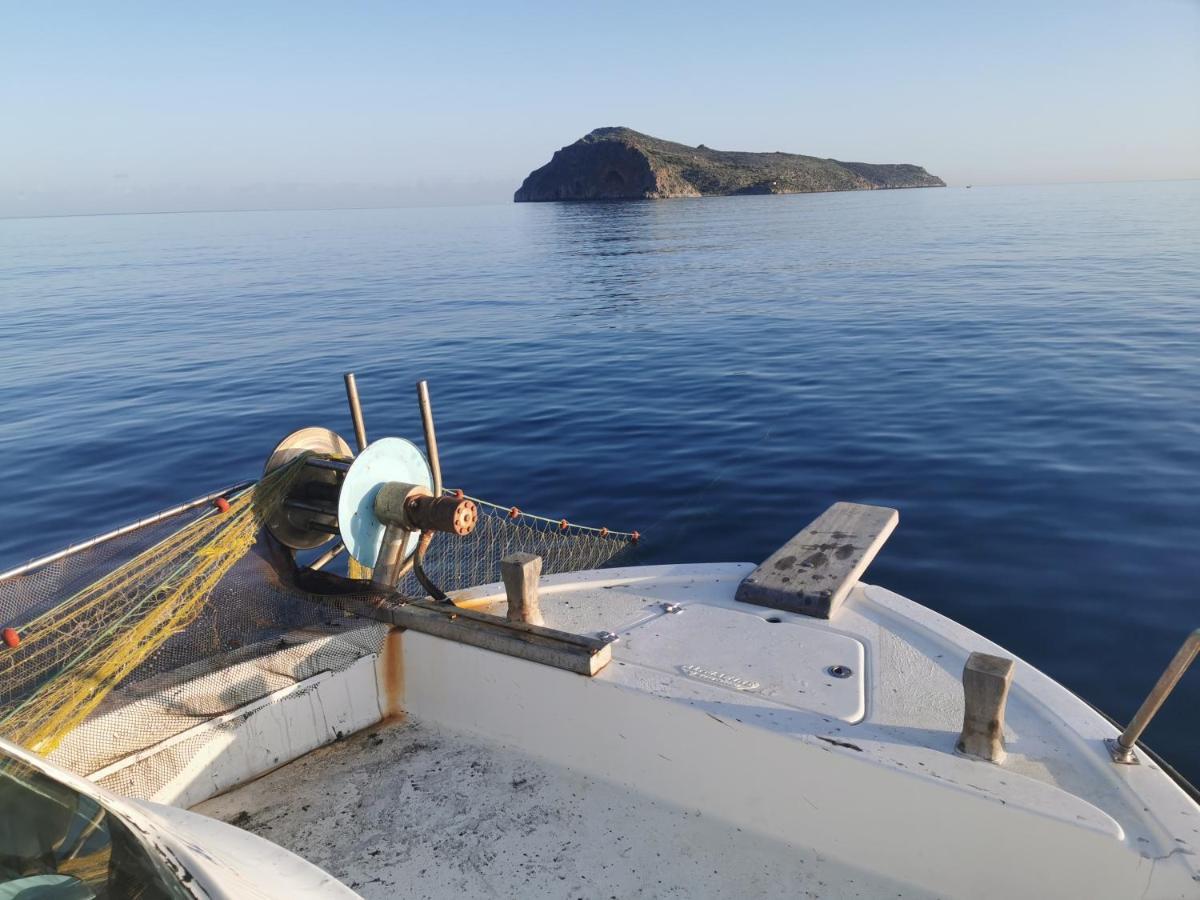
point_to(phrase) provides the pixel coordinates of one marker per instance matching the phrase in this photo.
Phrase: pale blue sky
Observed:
(152, 106)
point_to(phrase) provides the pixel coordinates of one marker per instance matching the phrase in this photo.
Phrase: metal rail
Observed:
(123, 530)
(1122, 748)
(328, 556)
(333, 465)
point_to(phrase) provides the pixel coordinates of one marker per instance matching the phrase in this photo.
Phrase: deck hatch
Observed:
(785, 663)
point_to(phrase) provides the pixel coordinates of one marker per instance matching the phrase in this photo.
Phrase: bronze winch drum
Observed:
(308, 517)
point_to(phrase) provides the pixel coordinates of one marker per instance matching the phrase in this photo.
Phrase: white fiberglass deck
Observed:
(717, 756)
(416, 811)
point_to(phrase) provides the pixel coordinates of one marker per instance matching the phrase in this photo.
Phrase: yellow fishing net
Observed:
(71, 656)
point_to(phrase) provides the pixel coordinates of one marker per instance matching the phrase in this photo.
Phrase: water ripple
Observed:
(1015, 369)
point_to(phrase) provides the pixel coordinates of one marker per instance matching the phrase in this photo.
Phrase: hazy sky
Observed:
(109, 106)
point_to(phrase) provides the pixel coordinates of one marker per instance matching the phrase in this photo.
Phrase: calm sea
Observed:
(1016, 369)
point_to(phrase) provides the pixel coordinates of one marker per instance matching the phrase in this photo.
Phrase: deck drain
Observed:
(840, 671)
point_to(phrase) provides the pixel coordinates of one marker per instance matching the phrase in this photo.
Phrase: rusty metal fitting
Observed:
(451, 515)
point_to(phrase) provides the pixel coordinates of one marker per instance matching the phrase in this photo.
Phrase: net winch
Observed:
(385, 503)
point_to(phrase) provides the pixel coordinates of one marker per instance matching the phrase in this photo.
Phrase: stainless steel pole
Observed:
(1122, 748)
(360, 429)
(431, 448)
(386, 572)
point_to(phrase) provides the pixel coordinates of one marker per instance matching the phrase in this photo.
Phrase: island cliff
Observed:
(622, 164)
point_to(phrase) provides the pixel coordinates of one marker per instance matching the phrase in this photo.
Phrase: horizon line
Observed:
(185, 212)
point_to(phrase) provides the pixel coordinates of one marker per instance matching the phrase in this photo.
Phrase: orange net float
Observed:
(603, 532)
(564, 525)
(221, 504)
(635, 537)
(11, 637)
(513, 513)
(458, 495)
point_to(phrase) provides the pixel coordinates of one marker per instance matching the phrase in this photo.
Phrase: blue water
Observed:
(1016, 369)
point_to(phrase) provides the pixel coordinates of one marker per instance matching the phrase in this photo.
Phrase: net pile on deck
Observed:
(69, 657)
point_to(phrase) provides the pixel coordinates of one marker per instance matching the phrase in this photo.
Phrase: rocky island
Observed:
(623, 164)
